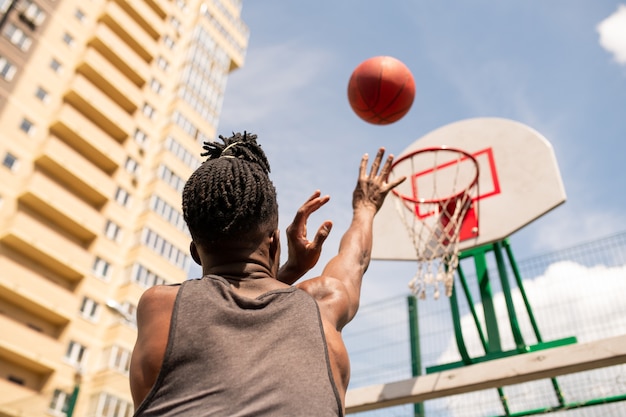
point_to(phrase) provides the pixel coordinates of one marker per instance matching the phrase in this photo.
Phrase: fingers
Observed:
(311, 205)
(363, 166)
(376, 163)
(381, 177)
(384, 172)
(322, 234)
(395, 183)
(316, 194)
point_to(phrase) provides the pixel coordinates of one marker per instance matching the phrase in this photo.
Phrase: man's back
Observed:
(229, 355)
(231, 210)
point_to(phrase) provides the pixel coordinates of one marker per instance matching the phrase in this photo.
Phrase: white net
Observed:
(433, 206)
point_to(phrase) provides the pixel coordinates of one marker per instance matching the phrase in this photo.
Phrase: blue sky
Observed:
(545, 64)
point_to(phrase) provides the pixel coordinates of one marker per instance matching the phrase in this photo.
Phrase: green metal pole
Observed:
(458, 331)
(520, 285)
(416, 355)
(470, 304)
(486, 295)
(508, 298)
(569, 406)
(71, 404)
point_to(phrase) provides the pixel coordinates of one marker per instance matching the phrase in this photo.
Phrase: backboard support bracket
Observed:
(490, 334)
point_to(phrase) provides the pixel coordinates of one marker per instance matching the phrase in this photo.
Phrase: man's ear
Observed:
(194, 252)
(275, 246)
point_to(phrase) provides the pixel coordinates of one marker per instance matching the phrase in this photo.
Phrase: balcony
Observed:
(88, 139)
(99, 107)
(28, 348)
(145, 16)
(234, 32)
(130, 31)
(109, 380)
(113, 48)
(129, 291)
(155, 262)
(46, 247)
(18, 400)
(160, 7)
(77, 173)
(121, 333)
(110, 80)
(36, 294)
(62, 207)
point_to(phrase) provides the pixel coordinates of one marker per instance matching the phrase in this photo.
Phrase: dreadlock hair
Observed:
(230, 196)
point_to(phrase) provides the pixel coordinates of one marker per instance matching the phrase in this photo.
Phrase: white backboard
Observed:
(519, 181)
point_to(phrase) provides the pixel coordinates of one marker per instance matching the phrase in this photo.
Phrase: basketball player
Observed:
(241, 341)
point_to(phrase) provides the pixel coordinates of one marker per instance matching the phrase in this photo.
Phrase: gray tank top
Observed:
(232, 356)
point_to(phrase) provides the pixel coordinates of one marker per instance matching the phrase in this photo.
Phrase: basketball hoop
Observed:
(438, 206)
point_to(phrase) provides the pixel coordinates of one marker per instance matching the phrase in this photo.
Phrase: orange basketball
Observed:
(381, 90)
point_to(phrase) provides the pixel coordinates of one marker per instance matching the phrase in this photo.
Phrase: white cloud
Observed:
(612, 32)
(568, 300)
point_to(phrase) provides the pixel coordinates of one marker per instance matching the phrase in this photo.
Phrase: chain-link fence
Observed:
(577, 291)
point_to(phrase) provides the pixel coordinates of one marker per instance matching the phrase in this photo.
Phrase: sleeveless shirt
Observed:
(233, 356)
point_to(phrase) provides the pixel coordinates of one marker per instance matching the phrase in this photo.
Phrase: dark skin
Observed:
(252, 268)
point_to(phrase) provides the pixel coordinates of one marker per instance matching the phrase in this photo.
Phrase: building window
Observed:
(168, 213)
(130, 311)
(75, 354)
(169, 177)
(156, 86)
(122, 197)
(68, 39)
(101, 268)
(185, 124)
(164, 248)
(117, 358)
(17, 37)
(131, 166)
(59, 402)
(89, 309)
(80, 15)
(112, 231)
(162, 63)
(7, 69)
(27, 127)
(42, 95)
(175, 23)
(107, 405)
(182, 5)
(140, 137)
(148, 111)
(144, 277)
(182, 153)
(169, 42)
(56, 66)
(32, 13)
(10, 161)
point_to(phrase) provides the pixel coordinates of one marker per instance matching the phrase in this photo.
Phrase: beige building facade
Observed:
(104, 105)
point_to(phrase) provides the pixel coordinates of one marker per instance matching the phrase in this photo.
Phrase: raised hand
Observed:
(372, 188)
(303, 254)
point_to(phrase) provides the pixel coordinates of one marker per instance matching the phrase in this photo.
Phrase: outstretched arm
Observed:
(338, 290)
(303, 254)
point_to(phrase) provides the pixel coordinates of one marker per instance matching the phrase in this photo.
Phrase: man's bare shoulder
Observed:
(321, 287)
(158, 297)
(331, 296)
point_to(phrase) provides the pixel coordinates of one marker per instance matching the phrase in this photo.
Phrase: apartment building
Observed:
(104, 105)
